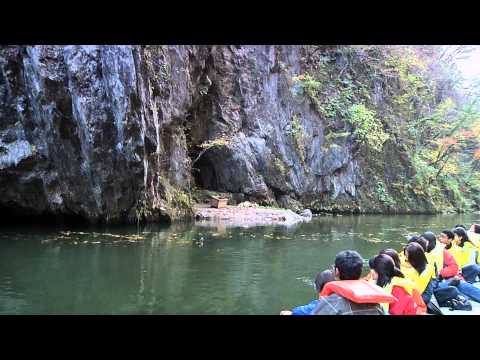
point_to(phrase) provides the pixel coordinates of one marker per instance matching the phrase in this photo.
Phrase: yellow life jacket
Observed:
(437, 255)
(466, 255)
(404, 283)
(474, 238)
(431, 261)
(456, 252)
(420, 281)
(405, 266)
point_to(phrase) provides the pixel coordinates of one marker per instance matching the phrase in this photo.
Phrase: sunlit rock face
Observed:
(108, 133)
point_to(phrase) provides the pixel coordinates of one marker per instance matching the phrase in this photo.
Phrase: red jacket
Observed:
(406, 304)
(450, 266)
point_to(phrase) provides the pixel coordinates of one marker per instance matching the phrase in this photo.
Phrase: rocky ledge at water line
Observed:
(248, 216)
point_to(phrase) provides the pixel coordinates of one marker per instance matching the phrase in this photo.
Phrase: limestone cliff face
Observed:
(108, 133)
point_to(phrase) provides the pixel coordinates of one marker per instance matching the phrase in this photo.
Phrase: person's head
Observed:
(419, 240)
(475, 228)
(431, 239)
(394, 255)
(460, 226)
(322, 278)
(461, 236)
(446, 237)
(416, 256)
(384, 269)
(412, 238)
(348, 265)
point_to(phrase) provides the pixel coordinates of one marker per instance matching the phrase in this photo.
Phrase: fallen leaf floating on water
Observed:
(135, 237)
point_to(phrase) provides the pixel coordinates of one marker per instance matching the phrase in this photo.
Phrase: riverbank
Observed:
(246, 216)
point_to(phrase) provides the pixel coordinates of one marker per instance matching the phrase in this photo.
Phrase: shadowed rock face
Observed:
(108, 133)
(90, 130)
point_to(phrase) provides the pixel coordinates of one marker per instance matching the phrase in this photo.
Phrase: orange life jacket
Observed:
(358, 291)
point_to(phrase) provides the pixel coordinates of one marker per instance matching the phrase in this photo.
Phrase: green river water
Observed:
(186, 269)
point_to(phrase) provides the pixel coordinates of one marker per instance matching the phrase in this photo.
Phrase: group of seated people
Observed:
(400, 284)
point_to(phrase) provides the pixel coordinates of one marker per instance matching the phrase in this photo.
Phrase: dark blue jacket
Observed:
(305, 309)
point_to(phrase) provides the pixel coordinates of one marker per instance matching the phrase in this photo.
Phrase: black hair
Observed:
(431, 239)
(393, 254)
(463, 235)
(322, 278)
(385, 267)
(449, 234)
(412, 238)
(416, 256)
(476, 228)
(419, 240)
(349, 264)
(460, 226)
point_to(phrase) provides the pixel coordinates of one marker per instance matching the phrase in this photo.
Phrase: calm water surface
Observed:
(186, 269)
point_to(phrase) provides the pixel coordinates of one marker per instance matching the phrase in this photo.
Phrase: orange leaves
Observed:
(476, 154)
(448, 141)
(298, 78)
(469, 134)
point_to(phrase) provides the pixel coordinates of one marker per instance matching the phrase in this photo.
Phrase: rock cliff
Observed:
(110, 133)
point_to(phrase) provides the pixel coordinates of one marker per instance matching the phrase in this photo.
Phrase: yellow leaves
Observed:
(221, 141)
(417, 190)
(444, 107)
(476, 127)
(476, 154)
(451, 168)
(430, 155)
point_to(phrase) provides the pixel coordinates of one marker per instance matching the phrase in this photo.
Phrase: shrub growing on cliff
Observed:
(299, 136)
(368, 128)
(309, 86)
(280, 166)
(221, 141)
(383, 195)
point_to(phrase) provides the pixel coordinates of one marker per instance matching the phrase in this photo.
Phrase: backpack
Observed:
(443, 295)
(451, 298)
(459, 303)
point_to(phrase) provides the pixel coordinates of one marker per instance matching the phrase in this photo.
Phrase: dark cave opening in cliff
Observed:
(204, 175)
